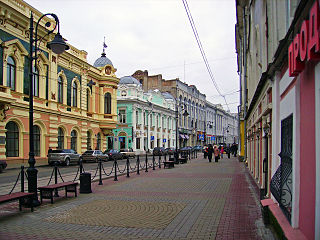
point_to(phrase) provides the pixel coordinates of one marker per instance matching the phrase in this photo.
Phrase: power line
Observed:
(195, 32)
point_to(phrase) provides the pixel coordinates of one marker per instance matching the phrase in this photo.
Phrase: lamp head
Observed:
(185, 113)
(58, 45)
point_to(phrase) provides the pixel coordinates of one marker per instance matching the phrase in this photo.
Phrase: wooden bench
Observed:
(183, 160)
(18, 196)
(169, 164)
(46, 192)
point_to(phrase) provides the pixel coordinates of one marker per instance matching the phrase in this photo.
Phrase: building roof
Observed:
(129, 80)
(167, 95)
(102, 61)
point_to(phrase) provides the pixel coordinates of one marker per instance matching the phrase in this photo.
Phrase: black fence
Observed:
(140, 163)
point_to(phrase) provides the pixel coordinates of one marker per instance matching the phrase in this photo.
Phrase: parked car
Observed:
(94, 156)
(170, 150)
(128, 153)
(159, 151)
(63, 156)
(3, 165)
(114, 154)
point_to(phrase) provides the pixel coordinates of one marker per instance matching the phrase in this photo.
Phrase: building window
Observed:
(137, 143)
(107, 103)
(12, 140)
(88, 100)
(74, 140)
(74, 94)
(144, 118)
(35, 82)
(89, 140)
(36, 140)
(60, 89)
(122, 115)
(11, 73)
(60, 138)
(98, 141)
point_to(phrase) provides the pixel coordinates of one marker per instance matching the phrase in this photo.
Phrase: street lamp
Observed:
(149, 112)
(227, 128)
(185, 114)
(58, 46)
(210, 124)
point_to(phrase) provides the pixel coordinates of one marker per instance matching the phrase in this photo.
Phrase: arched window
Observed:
(107, 103)
(89, 140)
(36, 140)
(74, 140)
(12, 140)
(74, 94)
(60, 138)
(35, 81)
(99, 141)
(88, 100)
(11, 73)
(60, 89)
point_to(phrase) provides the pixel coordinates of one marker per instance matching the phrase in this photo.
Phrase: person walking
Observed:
(210, 152)
(222, 151)
(216, 153)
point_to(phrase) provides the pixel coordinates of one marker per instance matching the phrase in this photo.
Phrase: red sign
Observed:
(306, 43)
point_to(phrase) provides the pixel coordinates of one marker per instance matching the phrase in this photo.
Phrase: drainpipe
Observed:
(245, 79)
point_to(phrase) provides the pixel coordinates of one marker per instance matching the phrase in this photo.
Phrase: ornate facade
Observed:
(145, 119)
(75, 103)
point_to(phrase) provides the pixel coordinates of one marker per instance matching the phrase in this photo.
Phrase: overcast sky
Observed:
(156, 35)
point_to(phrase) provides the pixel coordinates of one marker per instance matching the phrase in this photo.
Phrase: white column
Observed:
(134, 124)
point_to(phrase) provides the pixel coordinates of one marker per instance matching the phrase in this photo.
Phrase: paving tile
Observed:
(197, 200)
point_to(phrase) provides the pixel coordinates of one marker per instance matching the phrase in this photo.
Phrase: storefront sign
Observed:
(306, 43)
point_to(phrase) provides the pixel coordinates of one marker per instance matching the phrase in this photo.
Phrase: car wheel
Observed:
(67, 161)
(1, 168)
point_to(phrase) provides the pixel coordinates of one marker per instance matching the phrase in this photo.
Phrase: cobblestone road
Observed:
(197, 200)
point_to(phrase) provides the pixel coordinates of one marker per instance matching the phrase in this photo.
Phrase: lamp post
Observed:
(150, 105)
(209, 123)
(58, 46)
(266, 130)
(185, 114)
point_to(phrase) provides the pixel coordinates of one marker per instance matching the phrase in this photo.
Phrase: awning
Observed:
(186, 136)
(182, 136)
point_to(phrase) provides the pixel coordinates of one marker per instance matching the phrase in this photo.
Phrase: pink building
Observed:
(278, 45)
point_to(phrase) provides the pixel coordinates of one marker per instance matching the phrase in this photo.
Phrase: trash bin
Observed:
(85, 182)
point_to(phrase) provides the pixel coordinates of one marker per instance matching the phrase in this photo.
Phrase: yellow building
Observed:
(75, 104)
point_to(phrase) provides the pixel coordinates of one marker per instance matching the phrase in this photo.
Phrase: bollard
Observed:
(146, 162)
(100, 171)
(138, 165)
(22, 178)
(115, 170)
(153, 161)
(128, 163)
(56, 179)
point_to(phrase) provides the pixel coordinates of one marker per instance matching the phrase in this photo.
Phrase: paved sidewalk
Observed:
(197, 200)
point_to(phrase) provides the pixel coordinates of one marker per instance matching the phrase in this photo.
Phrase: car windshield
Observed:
(88, 152)
(58, 151)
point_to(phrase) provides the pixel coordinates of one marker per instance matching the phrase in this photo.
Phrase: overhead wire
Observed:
(195, 32)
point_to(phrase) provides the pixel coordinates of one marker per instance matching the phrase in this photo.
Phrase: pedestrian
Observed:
(228, 150)
(210, 152)
(205, 151)
(216, 153)
(221, 151)
(235, 149)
